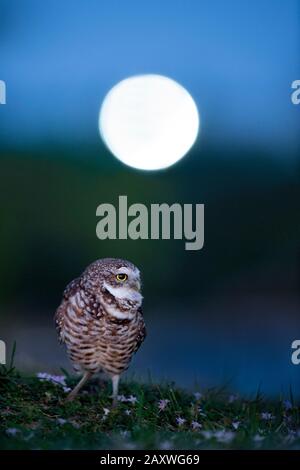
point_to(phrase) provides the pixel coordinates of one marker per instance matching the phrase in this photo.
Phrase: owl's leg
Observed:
(115, 384)
(73, 393)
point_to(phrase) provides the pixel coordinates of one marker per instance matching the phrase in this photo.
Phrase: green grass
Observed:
(35, 415)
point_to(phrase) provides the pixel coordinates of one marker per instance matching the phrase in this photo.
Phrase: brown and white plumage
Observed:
(100, 319)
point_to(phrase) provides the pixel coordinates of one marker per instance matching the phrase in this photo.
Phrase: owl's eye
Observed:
(121, 277)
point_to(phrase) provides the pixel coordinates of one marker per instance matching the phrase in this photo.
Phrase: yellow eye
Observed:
(121, 277)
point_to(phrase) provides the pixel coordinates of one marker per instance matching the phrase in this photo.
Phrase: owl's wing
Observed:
(142, 330)
(59, 316)
(72, 288)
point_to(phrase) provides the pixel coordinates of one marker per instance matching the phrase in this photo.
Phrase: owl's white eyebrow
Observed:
(124, 270)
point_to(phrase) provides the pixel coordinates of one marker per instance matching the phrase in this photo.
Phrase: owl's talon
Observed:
(115, 400)
(70, 397)
(114, 403)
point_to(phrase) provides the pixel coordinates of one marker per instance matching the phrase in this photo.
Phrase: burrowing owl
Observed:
(100, 320)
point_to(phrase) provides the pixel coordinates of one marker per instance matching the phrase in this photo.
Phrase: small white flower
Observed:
(55, 379)
(162, 404)
(132, 399)
(43, 375)
(121, 398)
(106, 412)
(235, 424)
(196, 425)
(12, 431)
(127, 412)
(232, 398)
(180, 421)
(198, 395)
(287, 419)
(201, 412)
(61, 421)
(59, 379)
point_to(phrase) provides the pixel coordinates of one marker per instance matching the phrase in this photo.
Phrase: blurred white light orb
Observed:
(148, 122)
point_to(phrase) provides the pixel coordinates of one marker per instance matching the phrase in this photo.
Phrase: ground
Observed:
(35, 415)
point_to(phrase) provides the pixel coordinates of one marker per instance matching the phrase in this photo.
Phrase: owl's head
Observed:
(117, 277)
